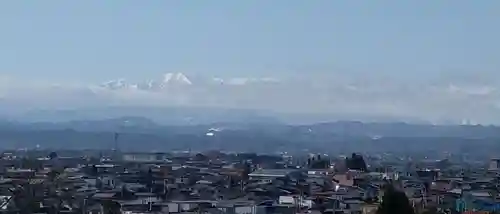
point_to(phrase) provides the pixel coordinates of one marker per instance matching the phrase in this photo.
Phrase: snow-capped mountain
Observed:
(169, 79)
(115, 84)
(181, 80)
(432, 101)
(176, 78)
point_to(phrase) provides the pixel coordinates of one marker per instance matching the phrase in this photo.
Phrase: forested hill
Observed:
(143, 134)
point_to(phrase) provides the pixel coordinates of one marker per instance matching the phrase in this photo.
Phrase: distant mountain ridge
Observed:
(174, 115)
(142, 134)
(179, 80)
(161, 115)
(330, 97)
(169, 79)
(372, 130)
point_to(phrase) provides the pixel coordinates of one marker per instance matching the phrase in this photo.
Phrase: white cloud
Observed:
(471, 90)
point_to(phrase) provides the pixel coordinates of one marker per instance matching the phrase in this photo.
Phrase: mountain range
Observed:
(170, 80)
(294, 98)
(142, 134)
(340, 128)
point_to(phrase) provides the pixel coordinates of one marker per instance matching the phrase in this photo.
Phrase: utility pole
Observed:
(116, 141)
(115, 149)
(84, 207)
(150, 204)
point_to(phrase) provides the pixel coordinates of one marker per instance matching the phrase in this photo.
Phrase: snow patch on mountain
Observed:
(115, 84)
(169, 79)
(176, 78)
(181, 80)
(432, 101)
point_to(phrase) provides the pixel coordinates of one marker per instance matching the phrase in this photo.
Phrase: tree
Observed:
(431, 210)
(53, 155)
(320, 164)
(93, 171)
(93, 160)
(394, 202)
(24, 200)
(200, 157)
(444, 164)
(28, 163)
(247, 169)
(149, 178)
(98, 183)
(52, 174)
(111, 207)
(356, 162)
(126, 194)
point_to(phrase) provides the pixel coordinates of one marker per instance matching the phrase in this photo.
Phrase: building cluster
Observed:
(215, 182)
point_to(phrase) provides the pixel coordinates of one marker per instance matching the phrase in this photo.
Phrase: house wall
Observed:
(244, 210)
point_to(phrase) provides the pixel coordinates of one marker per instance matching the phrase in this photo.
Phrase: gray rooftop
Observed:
(272, 172)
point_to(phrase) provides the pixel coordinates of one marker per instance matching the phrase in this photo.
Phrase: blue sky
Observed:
(95, 40)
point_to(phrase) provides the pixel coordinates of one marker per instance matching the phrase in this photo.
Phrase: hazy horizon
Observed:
(428, 60)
